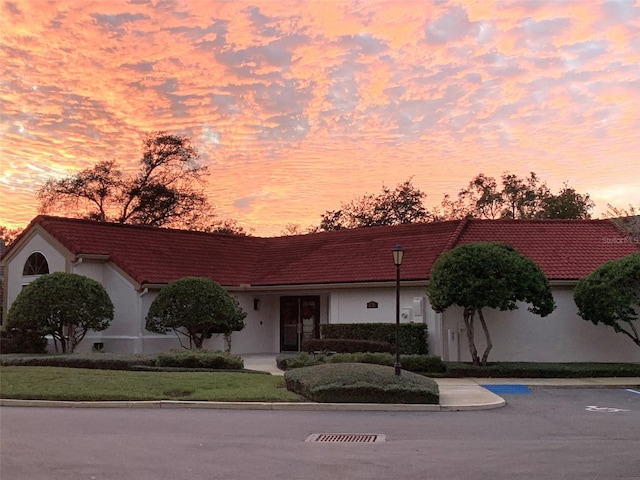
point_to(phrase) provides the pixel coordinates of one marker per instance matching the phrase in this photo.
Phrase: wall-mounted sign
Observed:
(372, 304)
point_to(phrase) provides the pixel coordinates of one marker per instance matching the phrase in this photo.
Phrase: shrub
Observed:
(542, 370)
(342, 345)
(63, 305)
(423, 363)
(103, 361)
(413, 336)
(376, 358)
(303, 359)
(200, 359)
(426, 364)
(361, 383)
(22, 341)
(195, 308)
(611, 295)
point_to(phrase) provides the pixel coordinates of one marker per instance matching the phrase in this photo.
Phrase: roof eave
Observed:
(325, 286)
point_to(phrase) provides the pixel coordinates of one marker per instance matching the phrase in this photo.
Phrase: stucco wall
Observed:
(350, 306)
(560, 337)
(517, 335)
(15, 279)
(123, 332)
(261, 331)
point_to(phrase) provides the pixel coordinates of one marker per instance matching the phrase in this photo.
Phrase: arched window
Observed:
(36, 264)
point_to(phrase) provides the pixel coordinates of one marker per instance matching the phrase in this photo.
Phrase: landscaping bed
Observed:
(361, 383)
(432, 366)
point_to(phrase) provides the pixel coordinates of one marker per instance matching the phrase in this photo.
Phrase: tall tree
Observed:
(567, 203)
(483, 275)
(402, 205)
(167, 190)
(515, 198)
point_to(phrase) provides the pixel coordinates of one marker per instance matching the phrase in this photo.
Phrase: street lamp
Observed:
(398, 252)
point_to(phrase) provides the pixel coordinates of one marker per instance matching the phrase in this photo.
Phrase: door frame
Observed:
(300, 300)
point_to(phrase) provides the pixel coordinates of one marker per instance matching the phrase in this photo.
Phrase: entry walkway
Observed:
(455, 394)
(467, 393)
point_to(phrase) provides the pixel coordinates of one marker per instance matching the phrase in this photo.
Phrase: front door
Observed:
(299, 319)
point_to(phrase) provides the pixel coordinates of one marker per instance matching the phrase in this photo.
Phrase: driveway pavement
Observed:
(564, 433)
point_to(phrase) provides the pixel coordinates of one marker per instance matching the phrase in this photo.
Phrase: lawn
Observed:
(55, 383)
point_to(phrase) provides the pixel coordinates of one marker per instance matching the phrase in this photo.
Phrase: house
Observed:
(291, 285)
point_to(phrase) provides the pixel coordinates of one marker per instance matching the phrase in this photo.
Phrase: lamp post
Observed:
(398, 252)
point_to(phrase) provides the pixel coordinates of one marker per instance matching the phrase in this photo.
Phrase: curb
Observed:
(283, 406)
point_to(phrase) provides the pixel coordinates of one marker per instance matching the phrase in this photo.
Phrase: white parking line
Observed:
(593, 408)
(632, 391)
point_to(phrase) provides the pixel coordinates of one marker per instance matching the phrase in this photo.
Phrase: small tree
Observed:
(63, 305)
(611, 295)
(195, 308)
(487, 275)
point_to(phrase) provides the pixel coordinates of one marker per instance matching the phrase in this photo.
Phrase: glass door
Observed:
(299, 318)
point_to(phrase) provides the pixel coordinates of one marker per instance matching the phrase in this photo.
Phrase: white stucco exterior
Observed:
(15, 280)
(517, 335)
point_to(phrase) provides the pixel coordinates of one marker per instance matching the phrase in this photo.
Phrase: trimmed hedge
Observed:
(541, 370)
(342, 345)
(200, 359)
(361, 383)
(170, 361)
(413, 336)
(22, 341)
(424, 364)
(103, 361)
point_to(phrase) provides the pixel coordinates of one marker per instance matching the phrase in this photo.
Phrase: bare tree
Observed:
(167, 190)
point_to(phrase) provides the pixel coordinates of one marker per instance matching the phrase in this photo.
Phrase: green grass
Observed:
(76, 384)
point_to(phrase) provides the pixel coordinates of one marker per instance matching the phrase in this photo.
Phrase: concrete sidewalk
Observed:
(457, 395)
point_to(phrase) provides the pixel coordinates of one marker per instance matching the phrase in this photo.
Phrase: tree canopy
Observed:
(484, 197)
(515, 198)
(483, 275)
(64, 305)
(195, 308)
(8, 235)
(402, 205)
(167, 189)
(610, 295)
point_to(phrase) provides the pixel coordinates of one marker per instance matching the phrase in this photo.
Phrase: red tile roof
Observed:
(564, 249)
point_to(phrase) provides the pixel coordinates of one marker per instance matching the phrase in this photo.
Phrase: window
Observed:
(36, 264)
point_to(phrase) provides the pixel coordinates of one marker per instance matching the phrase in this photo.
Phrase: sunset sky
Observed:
(299, 106)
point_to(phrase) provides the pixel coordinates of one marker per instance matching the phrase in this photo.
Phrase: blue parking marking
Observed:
(508, 389)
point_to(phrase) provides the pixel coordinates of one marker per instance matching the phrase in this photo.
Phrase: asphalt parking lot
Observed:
(545, 434)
